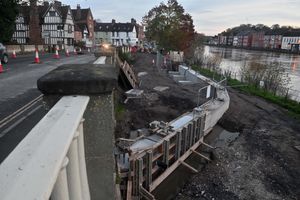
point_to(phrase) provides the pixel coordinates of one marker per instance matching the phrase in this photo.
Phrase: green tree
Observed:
(170, 26)
(8, 13)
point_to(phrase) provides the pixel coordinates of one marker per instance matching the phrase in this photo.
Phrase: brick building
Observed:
(85, 23)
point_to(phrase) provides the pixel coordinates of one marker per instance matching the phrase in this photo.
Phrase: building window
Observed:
(69, 28)
(52, 13)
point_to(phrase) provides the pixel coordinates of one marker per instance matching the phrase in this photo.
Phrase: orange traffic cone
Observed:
(56, 55)
(14, 54)
(67, 53)
(1, 68)
(37, 58)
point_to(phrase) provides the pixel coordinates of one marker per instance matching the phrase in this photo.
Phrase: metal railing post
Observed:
(82, 164)
(60, 190)
(73, 170)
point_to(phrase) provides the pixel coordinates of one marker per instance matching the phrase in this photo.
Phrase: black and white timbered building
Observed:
(21, 34)
(58, 25)
(55, 23)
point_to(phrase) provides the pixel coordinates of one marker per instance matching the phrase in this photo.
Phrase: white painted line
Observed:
(19, 121)
(100, 60)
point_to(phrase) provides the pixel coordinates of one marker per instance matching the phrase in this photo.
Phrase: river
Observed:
(233, 59)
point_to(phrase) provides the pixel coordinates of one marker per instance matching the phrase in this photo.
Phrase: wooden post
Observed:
(202, 126)
(149, 168)
(137, 177)
(190, 135)
(198, 128)
(195, 127)
(166, 151)
(184, 137)
(178, 145)
(146, 194)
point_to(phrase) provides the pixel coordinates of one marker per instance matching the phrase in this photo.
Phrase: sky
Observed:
(210, 16)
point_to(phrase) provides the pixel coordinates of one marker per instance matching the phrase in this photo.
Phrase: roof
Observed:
(83, 14)
(63, 10)
(24, 11)
(42, 10)
(114, 27)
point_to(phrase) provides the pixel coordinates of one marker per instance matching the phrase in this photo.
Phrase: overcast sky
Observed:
(210, 16)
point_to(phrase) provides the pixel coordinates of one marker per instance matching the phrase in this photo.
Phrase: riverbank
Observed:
(260, 163)
(257, 49)
(292, 106)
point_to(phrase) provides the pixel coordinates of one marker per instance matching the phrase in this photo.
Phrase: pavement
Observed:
(18, 87)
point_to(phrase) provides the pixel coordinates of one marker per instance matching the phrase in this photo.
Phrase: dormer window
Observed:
(52, 13)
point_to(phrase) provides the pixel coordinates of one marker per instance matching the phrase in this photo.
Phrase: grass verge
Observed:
(292, 106)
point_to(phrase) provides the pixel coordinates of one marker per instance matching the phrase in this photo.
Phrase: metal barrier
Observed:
(50, 161)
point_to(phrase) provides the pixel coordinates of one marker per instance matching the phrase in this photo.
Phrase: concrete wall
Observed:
(22, 48)
(99, 144)
(214, 109)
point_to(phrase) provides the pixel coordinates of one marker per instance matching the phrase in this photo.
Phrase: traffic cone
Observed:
(14, 54)
(1, 68)
(75, 51)
(67, 53)
(37, 58)
(56, 55)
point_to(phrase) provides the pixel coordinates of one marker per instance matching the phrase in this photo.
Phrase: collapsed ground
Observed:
(262, 163)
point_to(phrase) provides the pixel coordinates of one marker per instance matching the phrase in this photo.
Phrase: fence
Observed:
(50, 160)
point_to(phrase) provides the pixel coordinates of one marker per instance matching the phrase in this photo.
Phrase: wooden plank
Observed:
(189, 166)
(166, 173)
(201, 155)
(146, 194)
(207, 145)
(129, 190)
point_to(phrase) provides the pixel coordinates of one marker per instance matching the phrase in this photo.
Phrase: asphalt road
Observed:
(18, 88)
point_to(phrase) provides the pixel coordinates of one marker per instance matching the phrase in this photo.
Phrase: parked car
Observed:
(3, 54)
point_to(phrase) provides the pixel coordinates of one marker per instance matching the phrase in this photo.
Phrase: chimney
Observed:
(34, 24)
(133, 21)
(78, 12)
(113, 21)
(57, 3)
(46, 3)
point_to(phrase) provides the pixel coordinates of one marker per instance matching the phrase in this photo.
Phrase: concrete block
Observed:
(79, 79)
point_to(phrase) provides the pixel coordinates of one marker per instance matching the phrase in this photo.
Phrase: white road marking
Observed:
(100, 60)
(19, 121)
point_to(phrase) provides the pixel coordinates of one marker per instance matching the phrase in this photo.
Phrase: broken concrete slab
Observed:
(140, 74)
(79, 79)
(161, 88)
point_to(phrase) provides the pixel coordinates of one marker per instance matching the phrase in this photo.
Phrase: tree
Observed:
(170, 26)
(8, 14)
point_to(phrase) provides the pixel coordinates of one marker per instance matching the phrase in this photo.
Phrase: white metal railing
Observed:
(50, 160)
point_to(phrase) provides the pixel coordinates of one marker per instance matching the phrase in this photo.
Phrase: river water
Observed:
(233, 59)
